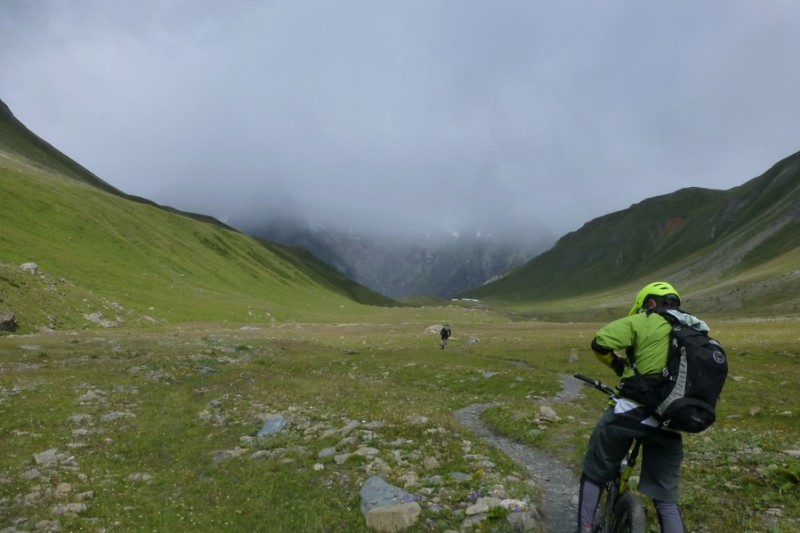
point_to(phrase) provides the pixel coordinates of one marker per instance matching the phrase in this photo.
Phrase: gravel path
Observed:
(559, 485)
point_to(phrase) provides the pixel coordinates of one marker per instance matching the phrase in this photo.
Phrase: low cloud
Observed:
(409, 116)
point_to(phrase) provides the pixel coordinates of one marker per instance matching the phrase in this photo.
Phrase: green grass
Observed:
(191, 397)
(146, 265)
(187, 396)
(741, 463)
(153, 345)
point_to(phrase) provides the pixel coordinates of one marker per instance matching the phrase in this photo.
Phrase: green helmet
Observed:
(659, 288)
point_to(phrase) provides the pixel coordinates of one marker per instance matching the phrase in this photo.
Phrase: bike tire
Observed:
(602, 514)
(629, 513)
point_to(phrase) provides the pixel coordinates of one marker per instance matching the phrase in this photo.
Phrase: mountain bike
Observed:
(443, 343)
(619, 510)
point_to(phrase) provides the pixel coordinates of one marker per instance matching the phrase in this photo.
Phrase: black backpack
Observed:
(685, 397)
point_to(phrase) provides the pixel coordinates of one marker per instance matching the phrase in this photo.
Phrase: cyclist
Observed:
(445, 334)
(645, 334)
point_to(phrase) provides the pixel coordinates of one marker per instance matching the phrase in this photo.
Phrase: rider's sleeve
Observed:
(617, 335)
(605, 355)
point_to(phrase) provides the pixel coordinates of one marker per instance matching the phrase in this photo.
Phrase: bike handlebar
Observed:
(597, 384)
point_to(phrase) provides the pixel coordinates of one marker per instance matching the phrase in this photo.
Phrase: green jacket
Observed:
(647, 334)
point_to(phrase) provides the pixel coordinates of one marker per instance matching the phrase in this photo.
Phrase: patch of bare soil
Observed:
(558, 484)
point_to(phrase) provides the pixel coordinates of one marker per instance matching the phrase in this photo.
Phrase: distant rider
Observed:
(445, 334)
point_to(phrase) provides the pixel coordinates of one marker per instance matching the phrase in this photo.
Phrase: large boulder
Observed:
(387, 508)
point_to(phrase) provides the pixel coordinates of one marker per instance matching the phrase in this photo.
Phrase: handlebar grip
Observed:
(586, 379)
(597, 384)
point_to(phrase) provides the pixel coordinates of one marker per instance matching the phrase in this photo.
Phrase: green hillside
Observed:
(121, 260)
(736, 250)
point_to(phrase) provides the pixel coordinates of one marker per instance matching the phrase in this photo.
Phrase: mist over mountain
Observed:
(440, 263)
(733, 250)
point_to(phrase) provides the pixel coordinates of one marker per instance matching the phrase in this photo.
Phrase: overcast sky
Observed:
(413, 114)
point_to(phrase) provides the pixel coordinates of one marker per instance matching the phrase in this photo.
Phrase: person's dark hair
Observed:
(670, 301)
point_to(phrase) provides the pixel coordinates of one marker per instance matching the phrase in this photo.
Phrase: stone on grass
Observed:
(393, 518)
(8, 321)
(548, 414)
(483, 505)
(272, 425)
(46, 458)
(387, 508)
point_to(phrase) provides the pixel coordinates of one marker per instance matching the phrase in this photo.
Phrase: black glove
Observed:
(618, 365)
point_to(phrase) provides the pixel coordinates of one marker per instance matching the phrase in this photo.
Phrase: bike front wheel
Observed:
(629, 514)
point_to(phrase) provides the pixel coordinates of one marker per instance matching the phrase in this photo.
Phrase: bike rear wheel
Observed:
(629, 514)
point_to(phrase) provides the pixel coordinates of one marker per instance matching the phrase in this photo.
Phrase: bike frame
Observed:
(630, 465)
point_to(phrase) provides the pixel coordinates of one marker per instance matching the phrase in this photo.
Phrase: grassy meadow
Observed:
(153, 346)
(155, 429)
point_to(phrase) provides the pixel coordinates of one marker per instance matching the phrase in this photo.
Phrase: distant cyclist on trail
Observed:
(445, 334)
(646, 334)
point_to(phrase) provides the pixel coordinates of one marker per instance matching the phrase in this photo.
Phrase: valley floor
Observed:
(157, 430)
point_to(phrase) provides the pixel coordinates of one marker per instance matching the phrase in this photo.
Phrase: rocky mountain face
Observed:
(441, 265)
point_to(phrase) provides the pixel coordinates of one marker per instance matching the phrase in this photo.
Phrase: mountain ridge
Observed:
(697, 237)
(733, 251)
(158, 264)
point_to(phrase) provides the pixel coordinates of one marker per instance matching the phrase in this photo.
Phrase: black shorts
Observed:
(661, 456)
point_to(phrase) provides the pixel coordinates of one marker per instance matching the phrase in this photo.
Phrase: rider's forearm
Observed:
(602, 353)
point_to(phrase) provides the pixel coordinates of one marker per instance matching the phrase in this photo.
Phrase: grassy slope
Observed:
(191, 392)
(103, 251)
(742, 240)
(152, 262)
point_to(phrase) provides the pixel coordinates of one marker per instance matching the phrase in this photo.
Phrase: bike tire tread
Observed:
(630, 513)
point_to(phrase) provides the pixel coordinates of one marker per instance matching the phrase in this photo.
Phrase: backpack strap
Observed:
(640, 388)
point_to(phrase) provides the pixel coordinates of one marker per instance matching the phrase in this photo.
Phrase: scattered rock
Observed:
(272, 425)
(80, 418)
(69, 508)
(92, 395)
(417, 420)
(46, 458)
(33, 268)
(393, 518)
(113, 415)
(430, 463)
(326, 452)
(47, 525)
(548, 414)
(387, 508)
(8, 321)
(97, 318)
(345, 431)
(31, 473)
(482, 506)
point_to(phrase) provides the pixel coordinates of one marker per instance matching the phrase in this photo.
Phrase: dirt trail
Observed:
(555, 478)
